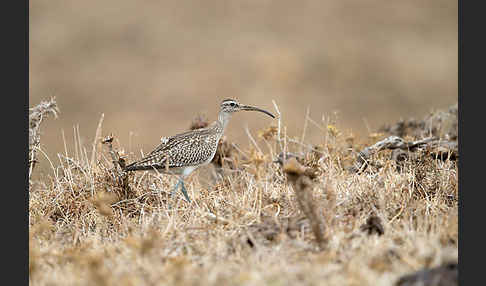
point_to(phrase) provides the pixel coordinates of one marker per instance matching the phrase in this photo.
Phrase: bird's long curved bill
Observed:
(252, 108)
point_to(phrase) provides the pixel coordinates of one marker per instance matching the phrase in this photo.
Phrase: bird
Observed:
(183, 153)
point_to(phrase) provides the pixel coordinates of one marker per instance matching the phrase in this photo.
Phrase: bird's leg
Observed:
(183, 188)
(175, 188)
(184, 192)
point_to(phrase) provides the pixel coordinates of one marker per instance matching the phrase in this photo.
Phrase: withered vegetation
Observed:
(36, 116)
(280, 212)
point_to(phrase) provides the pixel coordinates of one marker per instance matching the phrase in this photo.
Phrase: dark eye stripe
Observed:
(228, 102)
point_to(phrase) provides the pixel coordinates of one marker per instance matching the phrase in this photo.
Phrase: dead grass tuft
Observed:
(36, 116)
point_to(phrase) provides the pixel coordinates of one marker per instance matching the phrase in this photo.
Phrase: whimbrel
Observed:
(181, 154)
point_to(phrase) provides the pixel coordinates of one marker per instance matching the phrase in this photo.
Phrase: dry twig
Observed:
(435, 146)
(302, 186)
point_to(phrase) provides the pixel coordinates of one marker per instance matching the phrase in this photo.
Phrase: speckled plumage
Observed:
(191, 148)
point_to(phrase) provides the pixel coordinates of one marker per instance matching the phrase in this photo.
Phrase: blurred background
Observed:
(152, 66)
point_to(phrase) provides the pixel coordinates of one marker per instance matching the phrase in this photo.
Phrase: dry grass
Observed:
(246, 228)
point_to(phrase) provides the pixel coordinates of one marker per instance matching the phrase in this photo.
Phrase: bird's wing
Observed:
(157, 158)
(170, 142)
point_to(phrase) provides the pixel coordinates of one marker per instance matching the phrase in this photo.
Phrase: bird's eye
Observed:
(233, 104)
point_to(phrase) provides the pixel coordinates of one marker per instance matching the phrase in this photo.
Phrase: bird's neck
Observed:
(223, 119)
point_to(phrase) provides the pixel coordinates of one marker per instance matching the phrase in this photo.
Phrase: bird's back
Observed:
(191, 148)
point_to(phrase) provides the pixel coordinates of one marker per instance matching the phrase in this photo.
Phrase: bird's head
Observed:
(231, 105)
